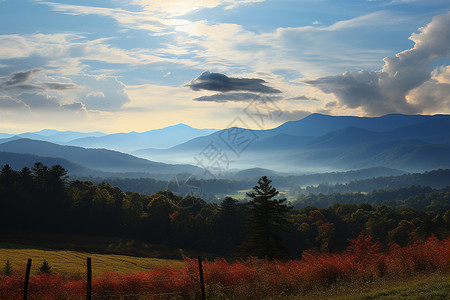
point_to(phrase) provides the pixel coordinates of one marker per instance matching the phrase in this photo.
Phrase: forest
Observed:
(42, 199)
(299, 185)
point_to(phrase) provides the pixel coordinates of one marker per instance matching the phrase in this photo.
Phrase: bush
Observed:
(251, 278)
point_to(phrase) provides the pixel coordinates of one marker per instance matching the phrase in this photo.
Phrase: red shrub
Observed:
(247, 279)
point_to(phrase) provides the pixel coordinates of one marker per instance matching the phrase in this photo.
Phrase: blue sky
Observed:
(136, 65)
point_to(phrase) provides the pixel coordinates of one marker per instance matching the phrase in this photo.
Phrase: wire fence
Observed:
(186, 283)
(251, 278)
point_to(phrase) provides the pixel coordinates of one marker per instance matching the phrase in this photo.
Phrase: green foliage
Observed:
(267, 221)
(418, 197)
(320, 222)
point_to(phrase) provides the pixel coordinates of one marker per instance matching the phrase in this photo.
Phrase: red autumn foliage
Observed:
(247, 279)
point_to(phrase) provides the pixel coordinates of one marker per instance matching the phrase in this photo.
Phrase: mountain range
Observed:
(317, 143)
(123, 142)
(82, 161)
(320, 143)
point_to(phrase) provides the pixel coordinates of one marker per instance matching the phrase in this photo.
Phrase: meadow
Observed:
(361, 272)
(72, 264)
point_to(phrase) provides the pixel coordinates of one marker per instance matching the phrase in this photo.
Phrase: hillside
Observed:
(100, 159)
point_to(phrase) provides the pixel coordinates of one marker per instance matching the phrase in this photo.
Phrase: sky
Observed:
(137, 65)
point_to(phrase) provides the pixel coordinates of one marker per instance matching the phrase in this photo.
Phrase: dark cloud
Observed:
(19, 81)
(303, 98)
(21, 77)
(51, 86)
(222, 83)
(356, 89)
(386, 91)
(59, 86)
(233, 97)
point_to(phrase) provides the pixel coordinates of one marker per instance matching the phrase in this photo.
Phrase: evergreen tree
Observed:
(7, 270)
(266, 222)
(229, 223)
(45, 268)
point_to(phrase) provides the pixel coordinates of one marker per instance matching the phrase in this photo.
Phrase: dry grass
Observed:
(72, 264)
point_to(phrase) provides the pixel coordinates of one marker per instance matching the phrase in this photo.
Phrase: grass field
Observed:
(72, 264)
(430, 289)
(429, 286)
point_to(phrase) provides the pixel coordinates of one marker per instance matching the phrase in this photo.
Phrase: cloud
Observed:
(43, 103)
(21, 77)
(57, 86)
(34, 90)
(183, 7)
(222, 83)
(235, 3)
(303, 98)
(331, 104)
(13, 46)
(136, 20)
(289, 115)
(9, 103)
(391, 89)
(154, 15)
(57, 67)
(233, 97)
(433, 95)
(378, 18)
(105, 93)
(76, 106)
(21, 81)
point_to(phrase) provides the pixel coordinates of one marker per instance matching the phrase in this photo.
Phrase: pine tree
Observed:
(266, 222)
(45, 268)
(7, 270)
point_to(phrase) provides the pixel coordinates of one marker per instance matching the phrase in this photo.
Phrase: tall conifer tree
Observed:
(266, 222)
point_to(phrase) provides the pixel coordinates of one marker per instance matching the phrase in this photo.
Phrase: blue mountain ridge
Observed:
(293, 146)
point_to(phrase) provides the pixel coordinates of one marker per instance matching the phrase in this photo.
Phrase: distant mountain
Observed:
(100, 159)
(412, 143)
(157, 138)
(5, 135)
(317, 143)
(319, 124)
(253, 174)
(9, 139)
(52, 135)
(67, 136)
(19, 160)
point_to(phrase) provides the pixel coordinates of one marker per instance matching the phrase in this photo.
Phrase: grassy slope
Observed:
(73, 264)
(435, 286)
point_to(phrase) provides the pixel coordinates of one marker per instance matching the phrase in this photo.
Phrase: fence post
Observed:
(89, 279)
(202, 282)
(27, 278)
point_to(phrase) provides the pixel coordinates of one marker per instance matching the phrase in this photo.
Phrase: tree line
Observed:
(42, 199)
